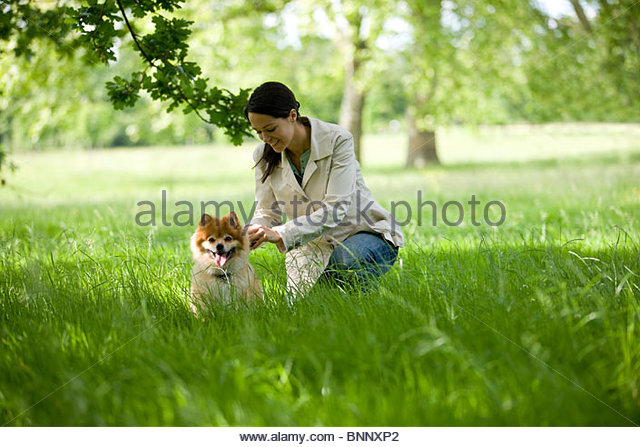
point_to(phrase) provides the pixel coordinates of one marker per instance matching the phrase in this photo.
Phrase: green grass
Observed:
(535, 322)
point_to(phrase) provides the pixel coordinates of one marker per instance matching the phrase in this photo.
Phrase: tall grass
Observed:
(534, 322)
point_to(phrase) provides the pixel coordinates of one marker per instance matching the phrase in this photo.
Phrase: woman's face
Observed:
(277, 132)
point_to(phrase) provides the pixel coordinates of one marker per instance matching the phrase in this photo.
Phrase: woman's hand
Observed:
(259, 234)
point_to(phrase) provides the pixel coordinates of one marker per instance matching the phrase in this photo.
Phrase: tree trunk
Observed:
(353, 96)
(422, 144)
(352, 106)
(577, 7)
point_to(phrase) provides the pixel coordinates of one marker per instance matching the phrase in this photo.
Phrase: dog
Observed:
(221, 270)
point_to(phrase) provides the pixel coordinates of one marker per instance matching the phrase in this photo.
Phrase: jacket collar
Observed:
(320, 140)
(321, 147)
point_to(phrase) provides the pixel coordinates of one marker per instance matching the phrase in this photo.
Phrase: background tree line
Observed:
(423, 63)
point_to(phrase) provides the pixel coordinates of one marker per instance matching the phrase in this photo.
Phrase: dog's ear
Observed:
(233, 220)
(205, 219)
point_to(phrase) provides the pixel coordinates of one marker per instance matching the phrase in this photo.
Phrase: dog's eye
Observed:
(211, 240)
(228, 238)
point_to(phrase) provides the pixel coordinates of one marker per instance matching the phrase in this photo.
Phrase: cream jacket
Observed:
(332, 204)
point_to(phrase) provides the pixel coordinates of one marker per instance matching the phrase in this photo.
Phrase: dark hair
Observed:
(277, 100)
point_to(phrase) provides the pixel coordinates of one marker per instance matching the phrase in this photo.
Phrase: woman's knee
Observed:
(344, 259)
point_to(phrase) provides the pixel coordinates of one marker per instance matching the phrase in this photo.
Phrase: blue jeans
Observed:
(360, 258)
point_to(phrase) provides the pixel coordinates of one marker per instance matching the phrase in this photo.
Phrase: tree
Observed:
(257, 45)
(431, 48)
(465, 65)
(96, 27)
(582, 16)
(585, 67)
(617, 29)
(354, 27)
(48, 101)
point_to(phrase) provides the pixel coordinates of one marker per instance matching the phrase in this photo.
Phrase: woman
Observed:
(306, 170)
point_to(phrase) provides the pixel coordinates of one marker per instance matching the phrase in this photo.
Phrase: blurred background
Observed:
(432, 81)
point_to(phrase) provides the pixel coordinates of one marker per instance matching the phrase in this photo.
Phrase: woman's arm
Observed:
(266, 212)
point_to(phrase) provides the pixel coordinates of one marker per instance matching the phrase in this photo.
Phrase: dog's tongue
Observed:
(220, 259)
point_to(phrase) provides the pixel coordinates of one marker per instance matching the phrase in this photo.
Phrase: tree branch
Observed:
(133, 34)
(152, 63)
(581, 15)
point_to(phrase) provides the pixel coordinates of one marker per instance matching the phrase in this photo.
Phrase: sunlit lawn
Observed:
(534, 322)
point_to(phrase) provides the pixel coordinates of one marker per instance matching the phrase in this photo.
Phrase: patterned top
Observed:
(304, 159)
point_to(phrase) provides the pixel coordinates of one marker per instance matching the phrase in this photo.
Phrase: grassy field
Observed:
(534, 322)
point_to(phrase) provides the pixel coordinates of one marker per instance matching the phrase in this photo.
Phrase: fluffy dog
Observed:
(221, 268)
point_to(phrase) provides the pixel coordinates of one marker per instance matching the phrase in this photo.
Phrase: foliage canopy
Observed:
(96, 26)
